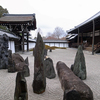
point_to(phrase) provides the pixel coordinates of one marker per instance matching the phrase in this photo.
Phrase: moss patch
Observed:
(50, 47)
(53, 47)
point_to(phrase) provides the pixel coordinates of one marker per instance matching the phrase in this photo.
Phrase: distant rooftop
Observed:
(71, 36)
(54, 41)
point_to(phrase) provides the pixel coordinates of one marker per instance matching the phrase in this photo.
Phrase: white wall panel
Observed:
(11, 46)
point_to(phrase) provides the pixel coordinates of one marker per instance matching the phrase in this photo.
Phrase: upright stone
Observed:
(19, 62)
(33, 51)
(11, 64)
(49, 68)
(45, 52)
(39, 82)
(79, 66)
(4, 51)
(21, 87)
(26, 68)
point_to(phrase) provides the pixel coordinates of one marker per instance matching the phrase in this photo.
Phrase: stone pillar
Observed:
(26, 68)
(49, 68)
(21, 87)
(4, 51)
(79, 66)
(39, 82)
(11, 63)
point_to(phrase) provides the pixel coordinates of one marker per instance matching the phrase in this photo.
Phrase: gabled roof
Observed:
(17, 17)
(16, 20)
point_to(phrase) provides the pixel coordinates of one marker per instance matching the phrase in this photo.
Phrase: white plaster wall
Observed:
(31, 45)
(51, 44)
(61, 44)
(11, 45)
(57, 44)
(47, 44)
(66, 45)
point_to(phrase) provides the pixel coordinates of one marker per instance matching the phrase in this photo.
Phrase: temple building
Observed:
(86, 33)
(20, 24)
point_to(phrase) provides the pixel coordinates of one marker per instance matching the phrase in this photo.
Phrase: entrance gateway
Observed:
(20, 24)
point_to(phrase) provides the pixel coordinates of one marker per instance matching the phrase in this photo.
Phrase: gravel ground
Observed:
(53, 88)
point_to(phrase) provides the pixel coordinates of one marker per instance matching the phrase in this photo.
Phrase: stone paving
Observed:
(53, 88)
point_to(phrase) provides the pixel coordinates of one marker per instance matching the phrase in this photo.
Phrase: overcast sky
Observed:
(52, 13)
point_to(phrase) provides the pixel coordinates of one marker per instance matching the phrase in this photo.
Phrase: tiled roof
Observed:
(54, 41)
(17, 17)
(97, 15)
(15, 22)
(90, 19)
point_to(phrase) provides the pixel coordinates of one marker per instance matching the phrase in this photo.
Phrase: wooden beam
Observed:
(22, 41)
(78, 37)
(81, 38)
(93, 37)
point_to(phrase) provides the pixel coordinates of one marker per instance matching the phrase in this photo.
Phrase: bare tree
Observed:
(58, 32)
(49, 34)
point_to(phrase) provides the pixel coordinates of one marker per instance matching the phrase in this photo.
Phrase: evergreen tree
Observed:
(2, 11)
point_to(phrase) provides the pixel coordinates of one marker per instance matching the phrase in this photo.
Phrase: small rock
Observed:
(49, 68)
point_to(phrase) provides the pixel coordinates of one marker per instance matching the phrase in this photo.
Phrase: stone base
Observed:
(38, 87)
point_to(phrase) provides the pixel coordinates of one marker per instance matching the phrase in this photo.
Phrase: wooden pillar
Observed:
(22, 41)
(27, 41)
(99, 32)
(81, 38)
(78, 37)
(93, 37)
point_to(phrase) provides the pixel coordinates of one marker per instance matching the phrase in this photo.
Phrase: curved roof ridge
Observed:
(89, 19)
(86, 21)
(7, 14)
